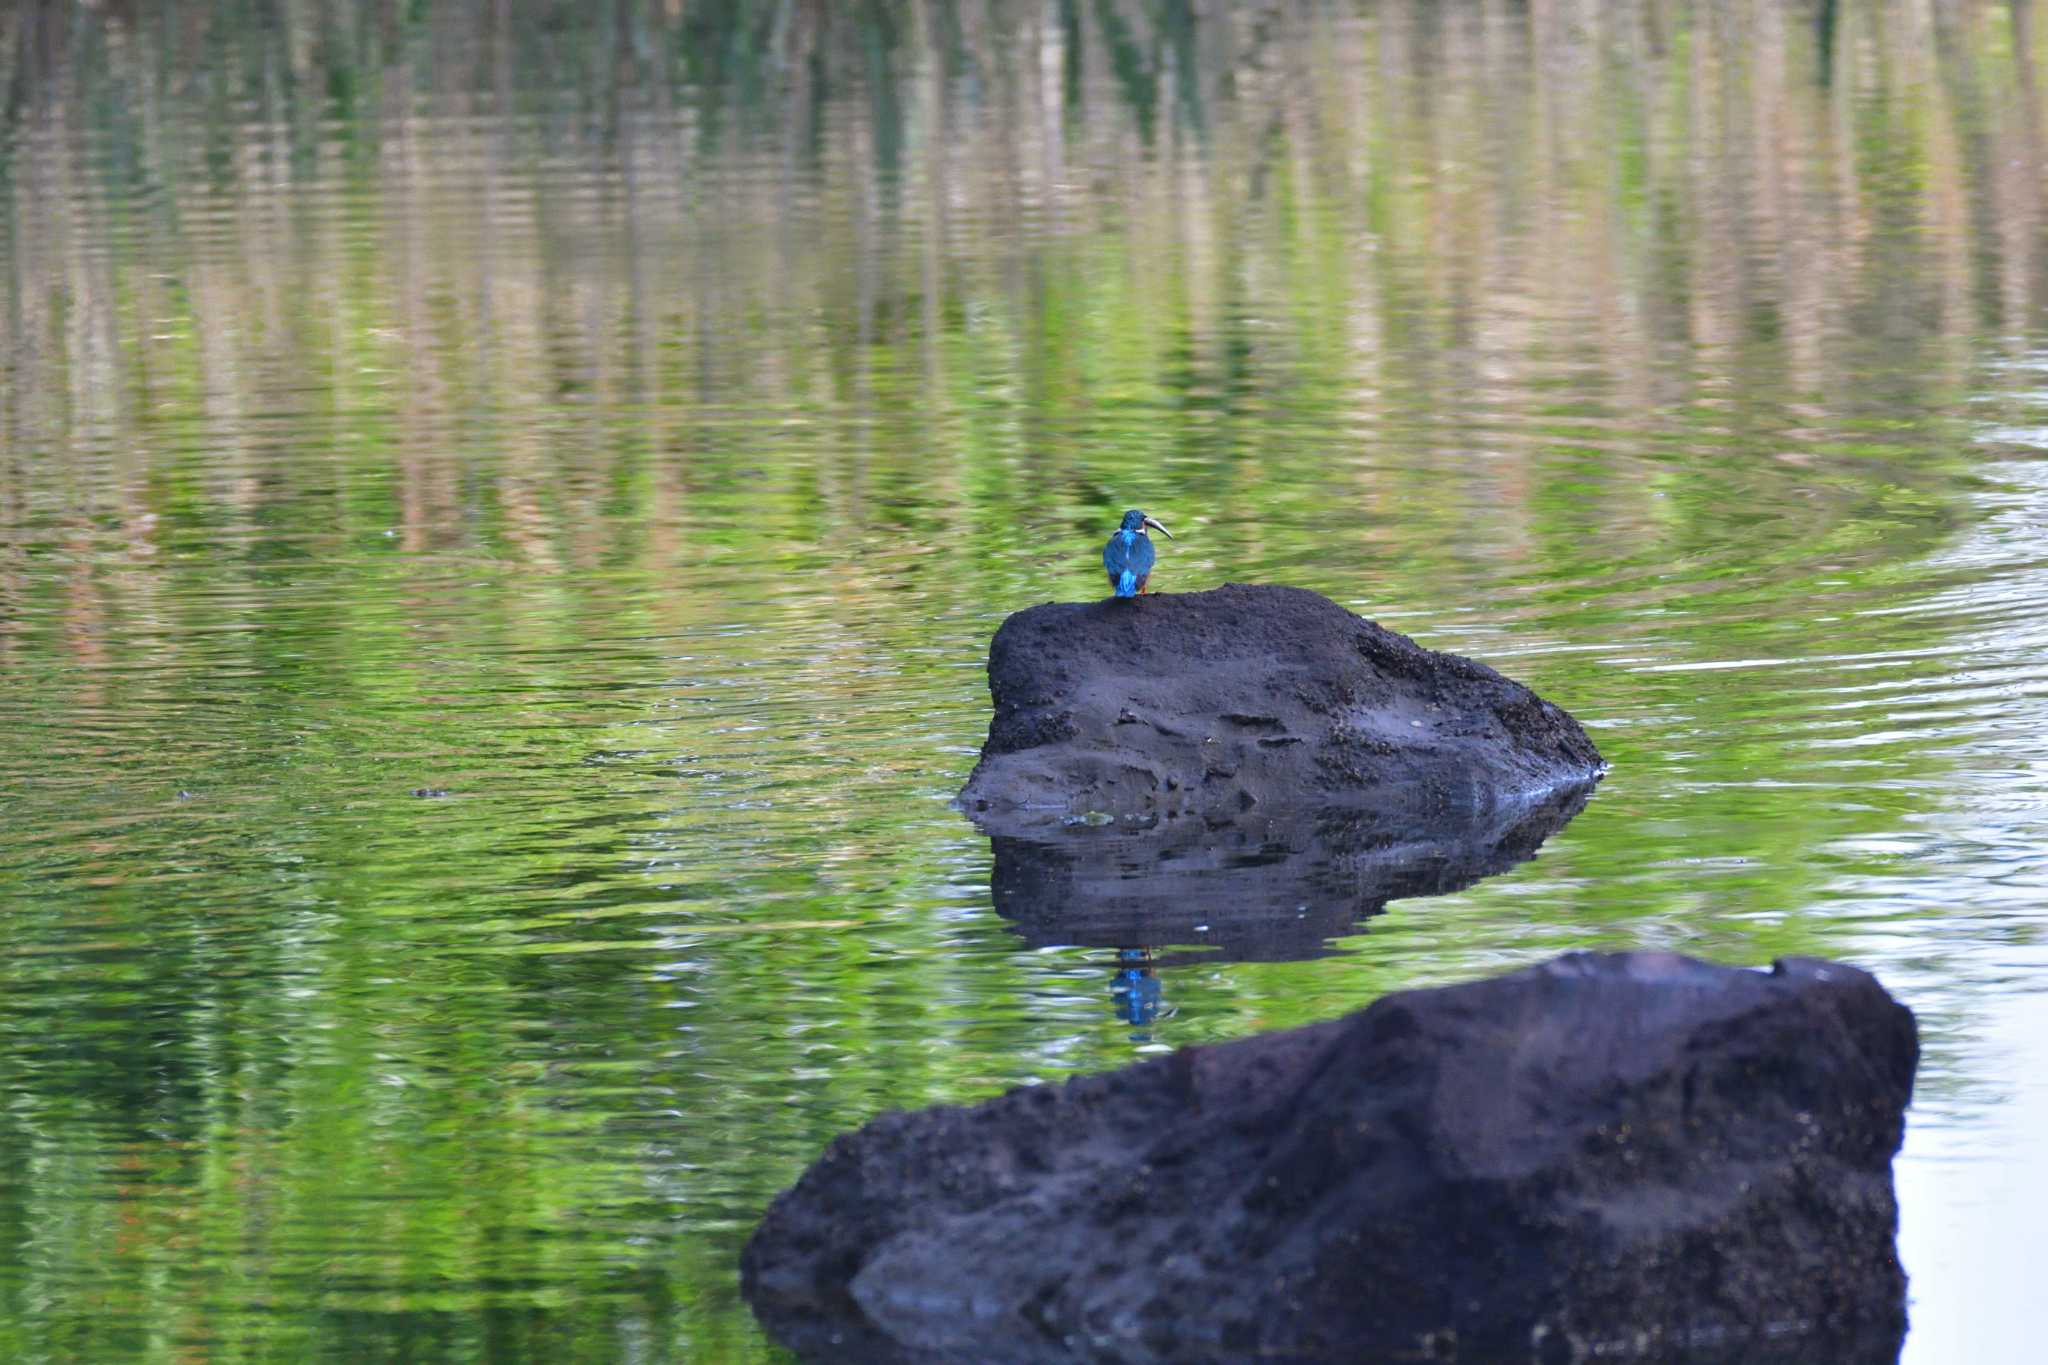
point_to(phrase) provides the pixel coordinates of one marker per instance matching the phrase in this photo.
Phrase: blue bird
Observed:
(1129, 555)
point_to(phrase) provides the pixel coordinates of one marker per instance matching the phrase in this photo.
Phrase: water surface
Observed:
(501, 516)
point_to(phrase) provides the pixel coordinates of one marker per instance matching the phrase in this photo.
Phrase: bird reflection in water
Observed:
(1136, 992)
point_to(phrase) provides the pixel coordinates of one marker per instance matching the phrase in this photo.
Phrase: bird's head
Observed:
(1134, 520)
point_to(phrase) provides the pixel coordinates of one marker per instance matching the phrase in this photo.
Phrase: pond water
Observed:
(502, 509)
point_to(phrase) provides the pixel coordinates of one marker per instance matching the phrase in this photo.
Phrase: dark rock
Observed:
(1205, 704)
(1255, 889)
(1632, 1156)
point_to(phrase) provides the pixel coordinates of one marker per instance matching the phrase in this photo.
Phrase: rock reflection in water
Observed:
(1260, 890)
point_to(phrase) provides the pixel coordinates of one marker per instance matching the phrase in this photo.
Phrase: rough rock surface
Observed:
(1214, 703)
(1631, 1156)
(1256, 888)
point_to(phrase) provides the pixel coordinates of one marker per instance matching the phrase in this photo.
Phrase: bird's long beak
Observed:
(1159, 528)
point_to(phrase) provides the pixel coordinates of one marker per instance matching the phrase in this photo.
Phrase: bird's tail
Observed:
(1126, 584)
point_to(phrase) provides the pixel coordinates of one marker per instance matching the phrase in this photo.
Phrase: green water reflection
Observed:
(626, 424)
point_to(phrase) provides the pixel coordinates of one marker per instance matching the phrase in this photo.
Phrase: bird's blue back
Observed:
(1128, 558)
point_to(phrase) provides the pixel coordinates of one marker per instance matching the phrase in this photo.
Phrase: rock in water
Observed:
(1631, 1156)
(1213, 703)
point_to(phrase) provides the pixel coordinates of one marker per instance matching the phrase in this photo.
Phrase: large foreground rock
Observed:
(1210, 704)
(1635, 1156)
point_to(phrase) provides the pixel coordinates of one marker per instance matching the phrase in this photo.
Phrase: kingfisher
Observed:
(1128, 556)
